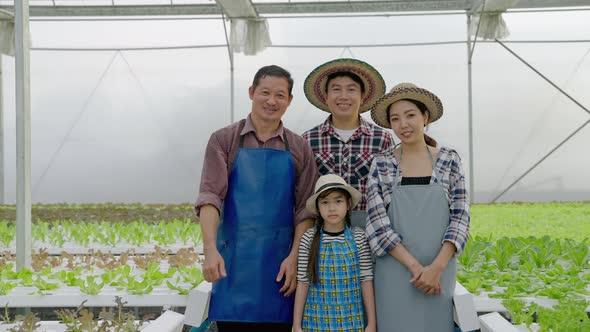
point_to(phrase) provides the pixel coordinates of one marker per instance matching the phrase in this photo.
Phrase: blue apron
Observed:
(255, 236)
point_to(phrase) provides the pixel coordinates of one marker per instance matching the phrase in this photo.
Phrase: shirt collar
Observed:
(327, 126)
(249, 127)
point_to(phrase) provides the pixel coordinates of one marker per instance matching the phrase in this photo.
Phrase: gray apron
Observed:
(358, 219)
(420, 214)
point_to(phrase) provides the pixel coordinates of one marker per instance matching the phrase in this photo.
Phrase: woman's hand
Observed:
(428, 280)
(297, 329)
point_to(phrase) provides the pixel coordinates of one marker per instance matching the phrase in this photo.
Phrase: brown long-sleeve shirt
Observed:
(222, 150)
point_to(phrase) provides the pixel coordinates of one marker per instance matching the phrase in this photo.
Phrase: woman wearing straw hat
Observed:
(344, 144)
(418, 216)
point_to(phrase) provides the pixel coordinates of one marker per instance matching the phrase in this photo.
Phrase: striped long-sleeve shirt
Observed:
(380, 233)
(362, 247)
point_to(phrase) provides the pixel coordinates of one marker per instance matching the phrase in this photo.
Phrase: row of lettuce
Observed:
(501, 259)
(123, 278)
(136, 233)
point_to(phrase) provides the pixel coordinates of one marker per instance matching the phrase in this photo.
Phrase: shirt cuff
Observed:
(392, 240)
(207, 199)
(302, 215)
(458, 245)
(367, 278)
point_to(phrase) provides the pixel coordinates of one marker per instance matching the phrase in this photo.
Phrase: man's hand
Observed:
(214, 266)
(289, 272)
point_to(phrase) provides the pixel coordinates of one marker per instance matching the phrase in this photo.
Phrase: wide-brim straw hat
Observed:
(315, 83)
(331, 181)
(406, 91)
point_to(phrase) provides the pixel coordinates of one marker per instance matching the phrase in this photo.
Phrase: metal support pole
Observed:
(470, 110)
(23, 136)
(2, 199)
(231, 70)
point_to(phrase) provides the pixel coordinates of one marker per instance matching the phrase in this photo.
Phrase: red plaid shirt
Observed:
(351, 159)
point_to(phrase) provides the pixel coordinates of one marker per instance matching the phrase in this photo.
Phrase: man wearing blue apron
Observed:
(345, 143)
(256, 178)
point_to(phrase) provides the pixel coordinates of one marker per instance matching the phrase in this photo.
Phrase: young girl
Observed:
(335, 276)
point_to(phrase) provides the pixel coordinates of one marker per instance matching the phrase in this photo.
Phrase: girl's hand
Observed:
(428, 281)
(297, 329)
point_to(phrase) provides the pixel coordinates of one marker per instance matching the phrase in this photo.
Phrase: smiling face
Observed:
(270, 99)
(407, 121)
(333, 208)
(344, 97)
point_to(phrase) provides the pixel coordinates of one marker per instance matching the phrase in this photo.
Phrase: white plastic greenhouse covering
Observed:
(121, 109)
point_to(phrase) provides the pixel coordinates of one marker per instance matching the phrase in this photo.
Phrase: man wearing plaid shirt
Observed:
(346, 143)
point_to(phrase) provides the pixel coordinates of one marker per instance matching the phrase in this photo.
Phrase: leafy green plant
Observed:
(472, 253)
(6, 287)
(578, 253)
(43, 285)
(69, 278)
(90, 286)
(177, 287)
(133, 285)
(192, 275)
(568, 315)
(519, 312)
(503, 253)
(7, 233)
(543, 253)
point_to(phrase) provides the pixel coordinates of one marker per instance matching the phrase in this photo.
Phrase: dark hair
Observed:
(424, 110)
(314, 251)
(274, 71)
(348, 74)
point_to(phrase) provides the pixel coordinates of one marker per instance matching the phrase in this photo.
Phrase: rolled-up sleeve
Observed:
(380, 233)
(458, 230)
(214, 175)
(305, 182)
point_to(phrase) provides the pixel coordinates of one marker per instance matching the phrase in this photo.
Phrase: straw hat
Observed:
(315, 83)
(331, 181)
(406, 91)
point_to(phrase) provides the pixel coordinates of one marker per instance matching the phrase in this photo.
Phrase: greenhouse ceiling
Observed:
(56, 8)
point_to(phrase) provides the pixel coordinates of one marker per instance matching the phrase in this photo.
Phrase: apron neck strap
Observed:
(400, 162)
(242, 124)
(241, 143)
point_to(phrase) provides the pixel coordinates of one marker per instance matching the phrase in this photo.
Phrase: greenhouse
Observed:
(107, 107)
